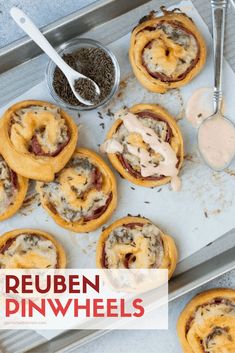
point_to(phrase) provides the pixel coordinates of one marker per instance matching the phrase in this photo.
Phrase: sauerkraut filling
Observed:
(40, 130)
(172, 54)
(76, 193)
(8, 186)
(133, 245)
(28, 251)
(219, 307)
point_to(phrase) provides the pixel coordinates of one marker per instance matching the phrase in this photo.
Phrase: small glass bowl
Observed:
(70, 47)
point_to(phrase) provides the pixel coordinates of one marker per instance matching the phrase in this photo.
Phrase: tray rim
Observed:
(7, 53)
(226, 258)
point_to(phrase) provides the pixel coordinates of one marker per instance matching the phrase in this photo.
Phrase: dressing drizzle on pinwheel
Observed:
(146, 145)
(82, 194)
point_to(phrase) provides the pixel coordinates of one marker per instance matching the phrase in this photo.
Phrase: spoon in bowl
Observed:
(216, 134)
(73, 76)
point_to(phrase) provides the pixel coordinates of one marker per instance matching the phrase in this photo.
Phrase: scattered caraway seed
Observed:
(121, 175)
(102, 125)
(146, 202)
(110, 113)
(206, 214)
(138, 215)
(159, 190)
(132, 188)
(100, 115)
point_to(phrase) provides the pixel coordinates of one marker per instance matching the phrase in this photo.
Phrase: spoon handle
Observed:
(25, 23)
(218, 8)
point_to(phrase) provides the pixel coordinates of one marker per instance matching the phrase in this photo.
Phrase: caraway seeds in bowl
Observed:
(94, 63)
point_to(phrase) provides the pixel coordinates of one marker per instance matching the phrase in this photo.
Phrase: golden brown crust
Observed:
(108, 184)
(170, 251)
(155, 84)
(61, 257)
(191, 339)
(22, 186)
(158, 110)
(30, 165)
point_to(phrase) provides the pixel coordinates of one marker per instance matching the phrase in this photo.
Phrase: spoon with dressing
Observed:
(216, 134)
(73, 76)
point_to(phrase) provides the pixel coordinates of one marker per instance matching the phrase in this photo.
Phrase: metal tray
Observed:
(22, 66)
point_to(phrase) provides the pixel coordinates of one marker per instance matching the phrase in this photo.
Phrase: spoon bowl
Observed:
(73, 76)
(214, 141)
(25, 23)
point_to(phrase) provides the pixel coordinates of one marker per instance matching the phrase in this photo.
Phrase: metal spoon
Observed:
(219, 8)
(33, 32)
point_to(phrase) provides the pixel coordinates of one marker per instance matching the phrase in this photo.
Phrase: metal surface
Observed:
(218, 19)
(63, 30)
(204, 265)
(192, 272)
(22, 66)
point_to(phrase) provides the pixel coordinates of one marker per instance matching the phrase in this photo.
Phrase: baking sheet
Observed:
(199, 214)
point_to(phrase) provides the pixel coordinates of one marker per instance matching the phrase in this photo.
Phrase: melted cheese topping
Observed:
(213, 325)
(171, 51)
(140, 246)
(7, 190)
(29, 251)
(44, 123)
(141, 141)
(74, 193)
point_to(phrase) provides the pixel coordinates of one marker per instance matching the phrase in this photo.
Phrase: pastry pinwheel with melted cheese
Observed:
(83, 195)
(13, 189)
(37, 139)
(207, 323)
(145, 145)
(134, 243)
(167, 51)
(30, 248)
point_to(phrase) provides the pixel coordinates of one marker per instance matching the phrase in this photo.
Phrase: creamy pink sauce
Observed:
(166, 167)
(176, 183)
(216, 140)
(111, 146)
(200, 106)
